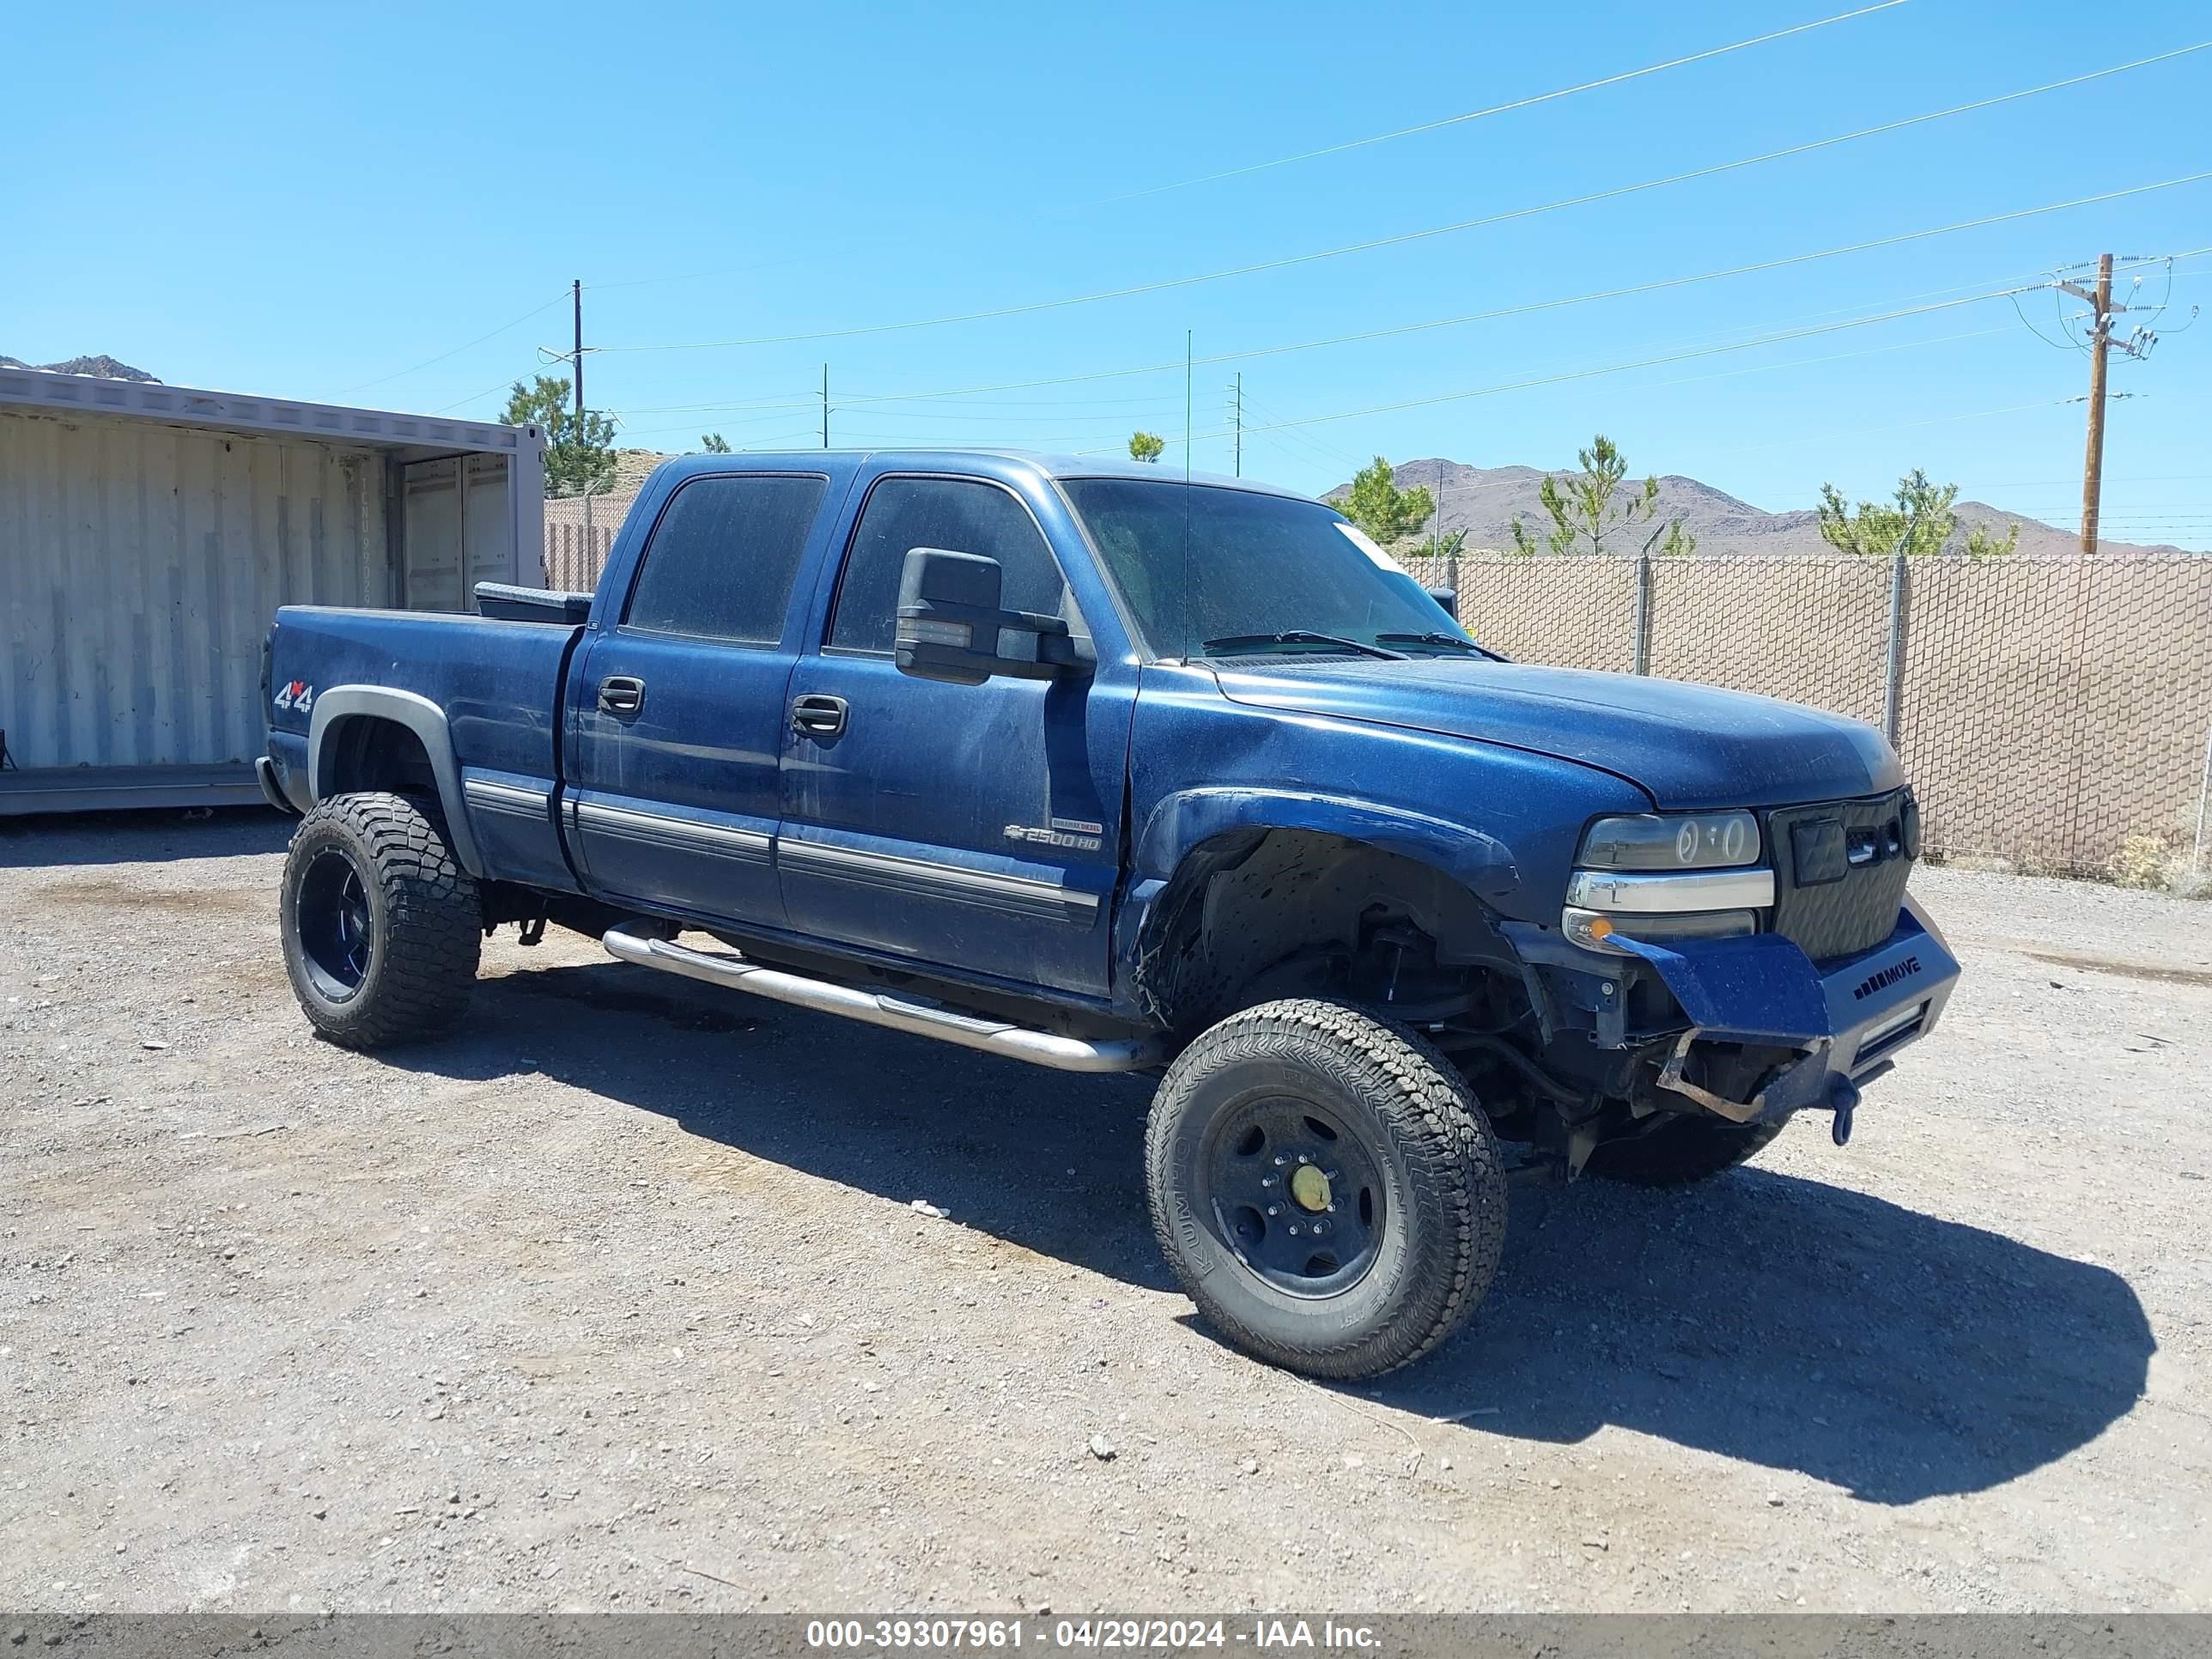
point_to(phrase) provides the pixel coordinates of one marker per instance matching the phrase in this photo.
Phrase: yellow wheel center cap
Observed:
(1310, 1189)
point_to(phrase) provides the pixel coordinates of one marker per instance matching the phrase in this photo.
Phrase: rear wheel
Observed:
(381, 926)
(1325, 1188)
(1682, 1151)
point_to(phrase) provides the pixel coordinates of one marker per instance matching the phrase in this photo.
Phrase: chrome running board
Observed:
(994, 1037)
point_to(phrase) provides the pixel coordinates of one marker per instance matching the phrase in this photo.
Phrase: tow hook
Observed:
(1843, 1097)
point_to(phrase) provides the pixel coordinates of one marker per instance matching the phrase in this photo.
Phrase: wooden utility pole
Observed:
(825, 405)
(577, 290)
(2100, 342)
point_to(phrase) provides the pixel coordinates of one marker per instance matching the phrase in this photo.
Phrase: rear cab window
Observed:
(722, 559)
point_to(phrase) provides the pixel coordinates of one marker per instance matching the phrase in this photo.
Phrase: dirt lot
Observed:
(622, 1301)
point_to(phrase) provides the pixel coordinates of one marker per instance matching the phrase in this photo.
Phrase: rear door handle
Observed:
(818, 716)
(619, 694)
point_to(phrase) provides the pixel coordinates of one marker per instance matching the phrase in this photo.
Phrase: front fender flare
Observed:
(419, 715)
(1190, 817)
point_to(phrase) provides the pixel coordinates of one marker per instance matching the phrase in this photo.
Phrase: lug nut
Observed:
(1294, 1230)
(1274, 1209)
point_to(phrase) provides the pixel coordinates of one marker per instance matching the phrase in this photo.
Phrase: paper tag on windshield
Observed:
(1360, 539)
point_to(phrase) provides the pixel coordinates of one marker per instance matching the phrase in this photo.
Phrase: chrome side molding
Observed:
(995, 1036)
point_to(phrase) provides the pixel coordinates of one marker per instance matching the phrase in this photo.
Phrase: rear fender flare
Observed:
(419, 715)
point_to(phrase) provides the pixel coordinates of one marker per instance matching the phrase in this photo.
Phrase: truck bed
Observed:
(495, 686)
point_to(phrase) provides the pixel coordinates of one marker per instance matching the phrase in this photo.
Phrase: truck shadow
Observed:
(1761, 1316)
(159, 835)
(1793, 1324)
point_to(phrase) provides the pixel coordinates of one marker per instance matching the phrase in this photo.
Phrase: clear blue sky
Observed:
(307, 201)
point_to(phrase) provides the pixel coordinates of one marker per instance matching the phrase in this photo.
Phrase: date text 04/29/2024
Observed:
(1141, 1635)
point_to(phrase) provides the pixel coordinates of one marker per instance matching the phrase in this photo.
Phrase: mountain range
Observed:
(1484, 500)
(106, 367)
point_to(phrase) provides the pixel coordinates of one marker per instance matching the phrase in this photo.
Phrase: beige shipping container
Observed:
(148, 534)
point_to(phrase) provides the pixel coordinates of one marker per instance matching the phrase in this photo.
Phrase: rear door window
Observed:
(723, 558)
(960, 515)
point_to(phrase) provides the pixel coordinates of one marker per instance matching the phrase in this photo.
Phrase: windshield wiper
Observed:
(1443, 639)
(1301, 637)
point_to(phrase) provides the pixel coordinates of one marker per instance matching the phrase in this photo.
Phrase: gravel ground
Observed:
(623, 1301)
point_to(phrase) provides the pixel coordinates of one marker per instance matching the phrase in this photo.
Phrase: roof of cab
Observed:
(954, 460)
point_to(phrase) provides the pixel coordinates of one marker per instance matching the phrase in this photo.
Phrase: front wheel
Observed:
(1325, 1188)
(382, 928)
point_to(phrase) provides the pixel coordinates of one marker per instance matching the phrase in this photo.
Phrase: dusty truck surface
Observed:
(1072, 763)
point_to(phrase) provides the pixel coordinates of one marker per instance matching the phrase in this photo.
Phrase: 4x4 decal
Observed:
(298, 694)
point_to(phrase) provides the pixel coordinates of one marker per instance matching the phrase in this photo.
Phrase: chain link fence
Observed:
(2054, 713)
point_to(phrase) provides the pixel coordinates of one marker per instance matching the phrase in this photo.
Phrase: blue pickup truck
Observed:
(1104, 771)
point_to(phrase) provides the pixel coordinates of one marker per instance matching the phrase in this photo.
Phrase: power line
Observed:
(504, 381)
(1403, 238)
(1356, 143)
(1653, 361)
(1665, 283)
(1824, 434)
(879, 402)
(1525, 309)
(363, 386)
(1497, 109)
(1032, 403)
(2147, 477)
(1278, 430)
(2137, 345)
(1281, 433)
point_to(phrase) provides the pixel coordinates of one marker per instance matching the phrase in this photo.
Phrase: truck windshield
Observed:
(1209, 571)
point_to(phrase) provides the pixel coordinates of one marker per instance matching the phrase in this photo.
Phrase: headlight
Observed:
(1659, 878)
(1705, 840)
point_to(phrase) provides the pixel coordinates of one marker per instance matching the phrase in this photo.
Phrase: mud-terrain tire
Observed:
(1376, 1255)
(1680, 1152)
(381, 926)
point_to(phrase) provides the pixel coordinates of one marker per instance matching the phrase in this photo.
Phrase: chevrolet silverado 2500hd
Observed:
(1078, 765)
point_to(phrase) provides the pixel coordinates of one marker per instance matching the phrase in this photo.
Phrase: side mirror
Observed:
(950, 624)
(1449, 598)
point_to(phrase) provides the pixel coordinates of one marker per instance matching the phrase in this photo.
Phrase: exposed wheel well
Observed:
(1262, 913)
(365, 752)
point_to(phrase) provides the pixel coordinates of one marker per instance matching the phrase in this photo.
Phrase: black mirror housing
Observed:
(942, 598)
(1449, 598)
(950, 620)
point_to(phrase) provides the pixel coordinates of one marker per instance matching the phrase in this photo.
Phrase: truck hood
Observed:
(1690, 747)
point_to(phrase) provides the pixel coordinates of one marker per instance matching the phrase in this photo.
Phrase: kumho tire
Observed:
(381, 926)
(1382, 1252)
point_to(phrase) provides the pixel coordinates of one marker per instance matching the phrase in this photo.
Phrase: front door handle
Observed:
(817, 716)
(620, 695)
